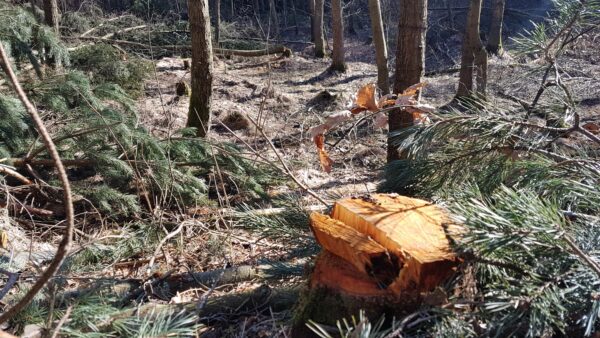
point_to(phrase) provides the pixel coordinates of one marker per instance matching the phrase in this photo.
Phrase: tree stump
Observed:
(381, 253)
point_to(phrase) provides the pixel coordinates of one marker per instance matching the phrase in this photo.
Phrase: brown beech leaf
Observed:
(414, 89)
(366, 98)
(324, 159)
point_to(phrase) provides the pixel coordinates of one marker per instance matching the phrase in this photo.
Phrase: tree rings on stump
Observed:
(381, 253)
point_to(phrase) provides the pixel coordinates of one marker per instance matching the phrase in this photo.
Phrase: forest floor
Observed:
(287, 96)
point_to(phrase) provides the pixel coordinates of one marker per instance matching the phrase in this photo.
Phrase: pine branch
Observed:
(65, 244)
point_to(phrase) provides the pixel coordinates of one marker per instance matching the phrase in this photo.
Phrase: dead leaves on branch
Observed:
(367, 100)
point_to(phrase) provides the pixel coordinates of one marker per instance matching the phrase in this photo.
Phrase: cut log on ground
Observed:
(382, 253)
(277, 49)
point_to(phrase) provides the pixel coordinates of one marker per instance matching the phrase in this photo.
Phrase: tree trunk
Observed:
(410, 62)
(217, 13)
(339, 63)
(318, 33)
(274, 19)
(313, 18)
(295, 14)
(51, 15)
(383, 80)
(202, 68)
(494, 45)
(474, 56)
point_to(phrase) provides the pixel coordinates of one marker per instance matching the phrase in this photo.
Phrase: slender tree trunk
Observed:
(450, 14)
(51, 15)
(410, 62)
(383, 79)
(474, 56)
(295, 14)
(313, 19)
(202, 68)
(217, 13)
(339, 62)
(284, 10)
(494, 45)
(52, 19)
(318, 33)
(274, 18)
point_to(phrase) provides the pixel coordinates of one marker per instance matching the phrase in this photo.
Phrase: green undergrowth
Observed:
(106, 64)
(97, 314)
(119, 168)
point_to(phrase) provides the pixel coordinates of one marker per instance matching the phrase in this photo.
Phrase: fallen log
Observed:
(257, 300)
(381, 253)
(276, 49)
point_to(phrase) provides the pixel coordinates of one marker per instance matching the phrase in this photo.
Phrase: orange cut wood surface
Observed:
(355, 247)
(414, 231)
(407, 226)
(333, 272)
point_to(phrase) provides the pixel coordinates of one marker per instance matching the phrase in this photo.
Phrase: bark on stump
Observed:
(381, 253)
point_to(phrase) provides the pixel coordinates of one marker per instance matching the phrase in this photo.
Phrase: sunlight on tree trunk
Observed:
(318, 34)
(339, 63)
(274, 18)
(51, 15)
(202, 68)
(383, 79)
(494, 45)
(474, 56)
(410, 61)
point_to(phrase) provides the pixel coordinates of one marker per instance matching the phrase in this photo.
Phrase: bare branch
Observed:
(63, 248)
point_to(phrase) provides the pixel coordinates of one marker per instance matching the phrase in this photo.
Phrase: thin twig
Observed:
(62, 322)
(8, 171)
(587, 259)
(63, 248)
(286, 169)
(160, 245)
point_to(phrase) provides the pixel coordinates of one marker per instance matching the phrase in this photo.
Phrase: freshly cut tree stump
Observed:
(382, 254)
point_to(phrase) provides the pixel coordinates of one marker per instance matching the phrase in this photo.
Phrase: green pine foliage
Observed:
(28, 40)
(106, 64)
(529, 203)
(122, 169)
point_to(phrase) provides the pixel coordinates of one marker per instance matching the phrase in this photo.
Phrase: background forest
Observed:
(163, 165)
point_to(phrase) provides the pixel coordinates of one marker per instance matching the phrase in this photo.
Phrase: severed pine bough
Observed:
(367, 100)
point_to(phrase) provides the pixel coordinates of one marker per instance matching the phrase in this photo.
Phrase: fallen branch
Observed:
(63, 248)
(268, 271)
(277, 49)
(256, 300)
(8, 171)
(110, 35)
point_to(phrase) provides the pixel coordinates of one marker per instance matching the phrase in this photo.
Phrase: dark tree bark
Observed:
(339, 62)
(274, 18)
(202, 68)
(295, 17)
(318, 33)
(410, 61)
(383, 79)
(474, 56)
(51, 15)
(494, 44)
(217, 14)
(313, 18)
